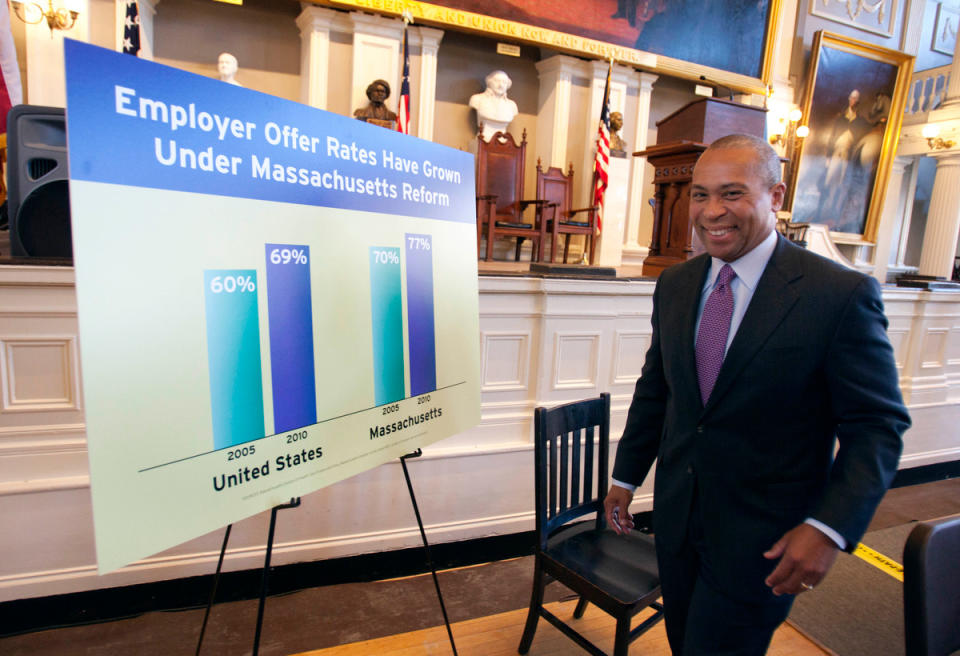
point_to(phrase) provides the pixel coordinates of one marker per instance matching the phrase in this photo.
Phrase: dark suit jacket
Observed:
(810, 366)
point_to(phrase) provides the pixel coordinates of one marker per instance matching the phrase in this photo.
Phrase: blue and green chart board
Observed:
(271, 298)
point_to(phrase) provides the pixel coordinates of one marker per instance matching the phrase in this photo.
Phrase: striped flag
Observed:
(602, 161)
(11, 90)
(403, 110)
(131, 29)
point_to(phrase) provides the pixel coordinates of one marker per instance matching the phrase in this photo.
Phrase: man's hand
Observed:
(805, 554)
(615, 507)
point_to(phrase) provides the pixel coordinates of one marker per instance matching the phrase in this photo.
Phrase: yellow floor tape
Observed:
(880, 561)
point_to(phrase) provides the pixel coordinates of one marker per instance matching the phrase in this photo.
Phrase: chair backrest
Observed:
(555, 187)
(500, 164)
(571, 455)
(931, 587)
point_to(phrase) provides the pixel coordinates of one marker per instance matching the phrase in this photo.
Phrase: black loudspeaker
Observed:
(38, 198)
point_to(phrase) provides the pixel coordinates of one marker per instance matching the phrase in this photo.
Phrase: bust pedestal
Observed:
(610, 245)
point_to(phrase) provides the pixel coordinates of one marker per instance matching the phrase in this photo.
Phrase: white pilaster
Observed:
(315, 24)
(376, 55)
(631, 236)
(556, 81)
(425, 109)
(893, 213)
(943, 218)
(46, 77)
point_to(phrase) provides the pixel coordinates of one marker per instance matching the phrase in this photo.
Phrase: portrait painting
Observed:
(728, 42)
(854, 105)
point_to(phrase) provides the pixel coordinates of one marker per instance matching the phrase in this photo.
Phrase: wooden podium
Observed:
(681, 138)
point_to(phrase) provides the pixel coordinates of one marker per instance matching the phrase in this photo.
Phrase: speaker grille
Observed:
(40, 166)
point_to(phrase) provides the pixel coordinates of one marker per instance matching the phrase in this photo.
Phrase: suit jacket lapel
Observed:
(682, 321)
(770, 304)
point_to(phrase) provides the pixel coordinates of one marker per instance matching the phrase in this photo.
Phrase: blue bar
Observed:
(420, 327)
(387, 318)
(290, 311)
(233, 347)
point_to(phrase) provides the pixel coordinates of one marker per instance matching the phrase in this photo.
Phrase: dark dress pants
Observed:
(701, 617)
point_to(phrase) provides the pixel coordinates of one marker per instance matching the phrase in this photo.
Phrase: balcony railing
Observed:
(927, 89)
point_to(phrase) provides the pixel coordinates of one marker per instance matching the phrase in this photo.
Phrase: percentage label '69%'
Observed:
(386, 257)
(288, 256)
(232, 284)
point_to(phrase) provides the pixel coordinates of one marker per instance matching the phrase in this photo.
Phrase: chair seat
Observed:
(509, 224)
(625, 566)
(582, 224)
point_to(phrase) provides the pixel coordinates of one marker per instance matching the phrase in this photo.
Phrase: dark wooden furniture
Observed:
(931, 601)
(681, 138)
(556, 188)
(500, 203)
(617, 573)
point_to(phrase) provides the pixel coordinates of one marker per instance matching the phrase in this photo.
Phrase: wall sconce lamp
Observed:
(931, 132)
(790, 128)
(58, 18)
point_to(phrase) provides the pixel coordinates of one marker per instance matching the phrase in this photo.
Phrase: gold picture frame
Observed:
(458, 19)
(853, 106)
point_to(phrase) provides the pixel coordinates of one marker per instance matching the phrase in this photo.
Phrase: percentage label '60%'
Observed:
(288, 255)
(232, 284)
(386, 257)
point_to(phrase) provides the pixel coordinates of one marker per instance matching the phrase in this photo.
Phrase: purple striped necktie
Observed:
(714, 329)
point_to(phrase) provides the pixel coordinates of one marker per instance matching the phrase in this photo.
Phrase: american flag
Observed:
(131, 29)
(603, 153)
(403, 110)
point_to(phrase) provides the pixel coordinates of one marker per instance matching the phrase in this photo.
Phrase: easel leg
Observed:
(213, 592)
(426, 545)
(266, 570)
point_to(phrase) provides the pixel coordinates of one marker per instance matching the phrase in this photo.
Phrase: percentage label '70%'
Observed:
(386, 257)
(232, 284)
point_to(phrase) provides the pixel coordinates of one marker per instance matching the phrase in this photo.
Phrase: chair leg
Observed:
(490, 230)
(533, 615)
(566, 246)
(593, 246)
(519, 244)
(621, 642)
(581, 607)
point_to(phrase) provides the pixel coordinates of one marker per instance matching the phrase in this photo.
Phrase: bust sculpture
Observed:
(494, 109)
(227, 67)
(376, 111)
(618, 147)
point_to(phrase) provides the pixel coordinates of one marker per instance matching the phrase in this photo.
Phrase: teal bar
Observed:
(387, 316)
(233, 347)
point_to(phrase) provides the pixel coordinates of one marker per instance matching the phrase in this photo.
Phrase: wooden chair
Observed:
(617, 573)
(931, 601)
(500, 203)
(556, 188)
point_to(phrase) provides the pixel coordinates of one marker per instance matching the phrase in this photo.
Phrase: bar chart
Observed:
(402, 337)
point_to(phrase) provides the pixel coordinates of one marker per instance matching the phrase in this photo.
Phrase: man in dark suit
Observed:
(763, 357)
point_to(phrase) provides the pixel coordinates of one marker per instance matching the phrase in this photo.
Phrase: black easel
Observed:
(263, 582)
(426, 545)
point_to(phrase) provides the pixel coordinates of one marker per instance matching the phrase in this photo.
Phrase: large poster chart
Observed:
(271, 298)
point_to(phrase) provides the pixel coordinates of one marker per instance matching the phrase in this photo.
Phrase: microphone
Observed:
(717, 86)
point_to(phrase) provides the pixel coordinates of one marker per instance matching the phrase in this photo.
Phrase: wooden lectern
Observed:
(681, 138)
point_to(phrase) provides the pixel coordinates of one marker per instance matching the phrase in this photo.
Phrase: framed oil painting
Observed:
(853, 104)
(666, 35)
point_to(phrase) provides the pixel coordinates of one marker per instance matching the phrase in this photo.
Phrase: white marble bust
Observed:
(227, 67)
(494, 109)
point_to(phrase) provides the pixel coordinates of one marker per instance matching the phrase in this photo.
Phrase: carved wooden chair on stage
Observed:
(500, 202)
(556, 188)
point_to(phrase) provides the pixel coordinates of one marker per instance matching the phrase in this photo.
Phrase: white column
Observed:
(943, 218)
(376, 56)
(556, 80)
(892, 217)
(147, 10)
(46, 77)
(631, 236)
(315, 24)
(429, 39)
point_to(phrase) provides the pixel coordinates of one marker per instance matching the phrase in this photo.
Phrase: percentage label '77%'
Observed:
(232, 284)
(386, 256)
(416, 242)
